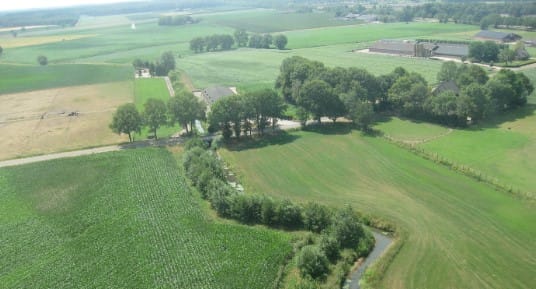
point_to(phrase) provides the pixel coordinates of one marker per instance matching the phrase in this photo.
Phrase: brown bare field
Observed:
(11, 42)
(38, 122)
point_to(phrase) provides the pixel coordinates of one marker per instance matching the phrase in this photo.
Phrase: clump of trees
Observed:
(336, 230)
(212, 43)
(354, 93)
(1, 50)
(160, 67)
(241, 113)
(184, 108)
(176, 20)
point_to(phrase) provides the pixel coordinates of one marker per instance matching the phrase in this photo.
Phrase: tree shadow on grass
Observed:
(330, 128)
(255, 142)
(507, 116)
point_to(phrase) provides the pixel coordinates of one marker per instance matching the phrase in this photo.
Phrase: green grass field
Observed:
(146, 88)
(410, 131)
(462, 234)
(19, 78)
(123, 220)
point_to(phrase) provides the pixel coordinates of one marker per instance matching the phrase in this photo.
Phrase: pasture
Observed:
(459, 231)
(20, 78)
(38, 122)
(124, 220)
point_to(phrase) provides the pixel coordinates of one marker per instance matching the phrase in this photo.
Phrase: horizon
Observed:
(23, 5)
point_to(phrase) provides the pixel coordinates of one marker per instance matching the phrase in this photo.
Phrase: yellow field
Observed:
(38, 122)
(12, 42)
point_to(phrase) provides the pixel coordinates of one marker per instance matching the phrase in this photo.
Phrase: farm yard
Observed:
(132, 219)
(125, 219)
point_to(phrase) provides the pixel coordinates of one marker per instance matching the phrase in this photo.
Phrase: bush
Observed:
(313, 263)
(288, 215)
(346, 228)
(316, 218)
(330, 247)
(246, 209)
(366, 244)
(268, 212)
(195, 143)
(42, 60)
(220, 193)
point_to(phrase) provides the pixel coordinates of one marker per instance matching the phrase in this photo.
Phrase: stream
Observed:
(382, 242)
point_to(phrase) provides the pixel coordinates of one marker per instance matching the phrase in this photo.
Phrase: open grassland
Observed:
(38, 122)
(145, 88)
(19, 78)
(269, 21)
(260, 67)
(123, 220)
(368, 32)
(410, 131)
(462, 233)
(117, 44)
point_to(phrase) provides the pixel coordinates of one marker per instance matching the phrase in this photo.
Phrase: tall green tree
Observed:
(197, 44)
(280, 41)
(167, 61)
(185, 109)
(314, 96)
(448, 71)
(127, 119)
(154, 114)
(265, 104)
(42, 60)
(266, 41)
(241, 37)
(1, 50)
(408, 94)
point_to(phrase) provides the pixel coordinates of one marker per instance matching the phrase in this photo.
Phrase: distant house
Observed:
(500, 37)
(400, 47)
(212, 94)
(446, 86)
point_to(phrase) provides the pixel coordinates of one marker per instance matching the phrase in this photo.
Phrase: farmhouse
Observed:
(499, 37)
(212, 94)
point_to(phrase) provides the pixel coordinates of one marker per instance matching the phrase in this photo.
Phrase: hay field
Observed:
(461, 233)
(11, 42)
(37, 122)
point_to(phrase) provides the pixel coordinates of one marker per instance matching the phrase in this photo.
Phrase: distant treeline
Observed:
(241, 38)
(468, 13)
(176, 20)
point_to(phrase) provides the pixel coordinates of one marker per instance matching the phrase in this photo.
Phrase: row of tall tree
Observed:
(176, 20)
(241, 38)
(212, 43)
(490, 51)
(160, 67)
(356, 94)
(242, 113)
(183, 109)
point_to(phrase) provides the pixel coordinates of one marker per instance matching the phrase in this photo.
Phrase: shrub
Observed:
(42, 60)
(312, 262)
(195, 143)
(316, 217)
(346, 228)
(220, 193)
(246, 209)
(288, 214)
(330, 247)
(366, 244)
(268, 212)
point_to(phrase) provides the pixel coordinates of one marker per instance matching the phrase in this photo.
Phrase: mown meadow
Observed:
(125, 219)
(459, 231)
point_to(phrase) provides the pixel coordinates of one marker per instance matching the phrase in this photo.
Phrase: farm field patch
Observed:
(248, 68)
(459, 231)
(10, 42)
(124, 219)
(145, 88)
(45, 121)
(20, 78)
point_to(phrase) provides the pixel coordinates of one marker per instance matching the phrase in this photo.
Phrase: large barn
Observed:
(497, 36)
(400, 47)
(420, 49)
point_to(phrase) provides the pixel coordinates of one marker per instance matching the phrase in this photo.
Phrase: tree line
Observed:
(356, 94)
(336, 230)
(160, 67)
(184, 109)
(241, 37)
(519, 13)
(490, 52)
(176, 20)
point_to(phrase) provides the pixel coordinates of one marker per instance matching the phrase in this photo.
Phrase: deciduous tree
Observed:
(127, 120)
(154, 114)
